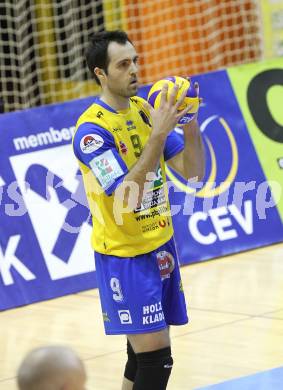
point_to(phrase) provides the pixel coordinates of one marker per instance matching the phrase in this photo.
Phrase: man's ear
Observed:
(100, 74)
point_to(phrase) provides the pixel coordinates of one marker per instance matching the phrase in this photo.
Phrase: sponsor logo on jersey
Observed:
(152, 199)
(166, 264)
(123, 147)
(91, 142)
(125, 317)
(150, 227)
(106, 168)
(158, 180)
(162, 223)
(130, 125)
(154, 225)
(153, 213)
(116, 129)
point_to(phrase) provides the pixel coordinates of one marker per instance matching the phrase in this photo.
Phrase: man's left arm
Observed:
(190, 161)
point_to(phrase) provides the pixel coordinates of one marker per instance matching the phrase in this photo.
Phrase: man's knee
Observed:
(131, 365)
(150, 341)
(153, 369)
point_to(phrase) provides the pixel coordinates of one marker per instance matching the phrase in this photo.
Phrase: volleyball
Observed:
(191, 98)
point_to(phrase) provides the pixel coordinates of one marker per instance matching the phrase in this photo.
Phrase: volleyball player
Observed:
(121, 144)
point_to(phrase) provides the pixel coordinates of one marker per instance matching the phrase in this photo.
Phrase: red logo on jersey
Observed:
(162, 223)
(123, 147)
(90, 143)
(88, 140)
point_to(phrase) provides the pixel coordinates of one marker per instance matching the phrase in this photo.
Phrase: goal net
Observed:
(42, 42)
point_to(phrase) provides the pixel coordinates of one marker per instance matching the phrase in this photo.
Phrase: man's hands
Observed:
(196, 85)
(167, 115)
(190, 163)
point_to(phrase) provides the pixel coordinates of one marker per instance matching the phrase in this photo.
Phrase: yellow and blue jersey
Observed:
(107, 143)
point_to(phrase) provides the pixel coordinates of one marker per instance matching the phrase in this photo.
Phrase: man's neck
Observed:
(118, 103)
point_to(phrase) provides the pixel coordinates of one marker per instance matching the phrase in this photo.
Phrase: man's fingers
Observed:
(184, 111)
(180, 101)
(147, 106)
(164, 92)
(173, 94)
(196, 85)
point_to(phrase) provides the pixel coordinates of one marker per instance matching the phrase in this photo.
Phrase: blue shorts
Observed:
(141, 294)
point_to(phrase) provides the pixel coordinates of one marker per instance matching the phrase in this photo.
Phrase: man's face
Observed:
(121, 78)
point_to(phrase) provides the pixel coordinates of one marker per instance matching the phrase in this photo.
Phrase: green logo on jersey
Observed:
(158, 181)
(104, 166)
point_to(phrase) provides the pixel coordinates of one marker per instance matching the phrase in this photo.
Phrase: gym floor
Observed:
(234, 339)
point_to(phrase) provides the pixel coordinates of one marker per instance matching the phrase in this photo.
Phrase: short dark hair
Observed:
(96, 53)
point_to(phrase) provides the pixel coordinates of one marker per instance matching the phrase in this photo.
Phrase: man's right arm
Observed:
(164, 119)
(94, 145)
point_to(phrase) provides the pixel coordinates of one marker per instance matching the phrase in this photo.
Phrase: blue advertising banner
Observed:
(45, 223)
(233, 209)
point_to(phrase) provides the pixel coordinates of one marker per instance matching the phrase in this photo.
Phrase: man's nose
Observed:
(134, 68)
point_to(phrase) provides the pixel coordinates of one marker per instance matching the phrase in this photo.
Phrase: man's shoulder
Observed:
(89, 114)
(93, 114)
(142, 110)
(137, 100)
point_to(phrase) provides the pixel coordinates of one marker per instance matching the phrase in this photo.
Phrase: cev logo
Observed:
(209, 190)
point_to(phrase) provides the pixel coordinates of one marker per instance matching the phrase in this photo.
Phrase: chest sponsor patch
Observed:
(152, 199)
(106, 168)
(90, 143)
